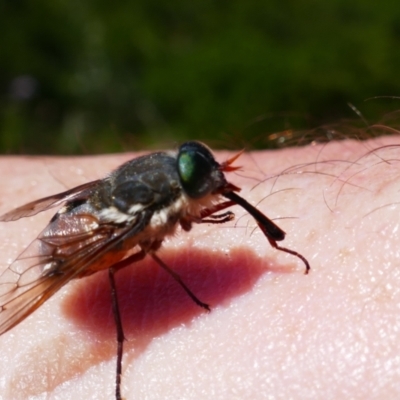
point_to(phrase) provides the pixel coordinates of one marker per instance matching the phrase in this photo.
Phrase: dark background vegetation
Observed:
(100, 76)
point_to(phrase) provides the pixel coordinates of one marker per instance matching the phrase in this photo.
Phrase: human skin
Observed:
(273, 332)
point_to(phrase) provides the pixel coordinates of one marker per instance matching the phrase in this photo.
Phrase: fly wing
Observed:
(53, 259)
(37, 206)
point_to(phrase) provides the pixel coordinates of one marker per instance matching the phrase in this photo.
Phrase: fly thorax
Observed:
(165, 218)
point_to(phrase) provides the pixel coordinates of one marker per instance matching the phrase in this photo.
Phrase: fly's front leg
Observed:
(208, 216)
(219, 218)
(218, 207)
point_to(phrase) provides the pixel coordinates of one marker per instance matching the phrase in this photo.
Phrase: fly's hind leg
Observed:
(117, 315)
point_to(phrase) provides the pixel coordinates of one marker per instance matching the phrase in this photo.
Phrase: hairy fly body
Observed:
(114, 222)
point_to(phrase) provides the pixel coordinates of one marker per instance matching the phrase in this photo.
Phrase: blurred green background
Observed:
(100, 76)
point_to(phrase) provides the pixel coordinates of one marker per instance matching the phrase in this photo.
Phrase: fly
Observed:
(113, 222)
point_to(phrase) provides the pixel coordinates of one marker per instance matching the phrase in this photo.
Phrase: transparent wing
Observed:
(37, 206)
(53, 259)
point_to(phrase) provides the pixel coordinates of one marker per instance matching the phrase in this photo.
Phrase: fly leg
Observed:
(115, 305)
(207, 216)
(217, 207)
(218, 218)
(120, 333)
(117, 315)
(180, 281)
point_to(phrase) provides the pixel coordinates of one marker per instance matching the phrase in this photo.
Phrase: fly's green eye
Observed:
(195, 167)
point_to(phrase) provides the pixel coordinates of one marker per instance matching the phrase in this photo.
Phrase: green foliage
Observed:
(99, 76)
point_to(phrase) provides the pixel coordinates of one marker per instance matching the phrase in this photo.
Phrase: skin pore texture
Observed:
(273, 332)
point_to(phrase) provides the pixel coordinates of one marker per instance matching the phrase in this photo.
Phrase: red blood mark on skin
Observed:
(152, 302)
